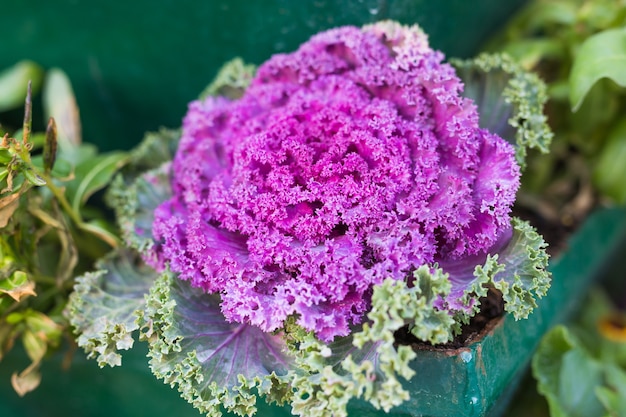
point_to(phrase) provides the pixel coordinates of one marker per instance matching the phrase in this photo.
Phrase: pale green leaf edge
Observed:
(103, 307)
(526, 93)
(231, 80)
(372, 366)
(165, 345)
(525, 276)
(142, 185)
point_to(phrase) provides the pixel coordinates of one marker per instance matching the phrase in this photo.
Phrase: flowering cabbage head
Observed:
(352, 160)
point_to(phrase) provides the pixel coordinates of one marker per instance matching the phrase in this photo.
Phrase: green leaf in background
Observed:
(600, 56)
(580, 375)
(580, 368)
(610, 171)
(92, 175)
(553, 12)
(14, 83)
(60, 103)
(546, 366)
(614, 398)
(529, 52)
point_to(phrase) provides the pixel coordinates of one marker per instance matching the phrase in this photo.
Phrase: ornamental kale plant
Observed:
(309, 210)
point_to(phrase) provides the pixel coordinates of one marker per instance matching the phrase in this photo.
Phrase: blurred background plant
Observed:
(51, 229)
(579, 48)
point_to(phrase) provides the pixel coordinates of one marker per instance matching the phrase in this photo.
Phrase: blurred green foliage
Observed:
(581, 369)
(579, 48)
(49, 230)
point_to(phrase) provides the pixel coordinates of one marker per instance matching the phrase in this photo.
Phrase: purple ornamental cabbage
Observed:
(345, 192)
(352, 160)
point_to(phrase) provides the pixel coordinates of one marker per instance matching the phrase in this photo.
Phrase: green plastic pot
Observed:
(476, 380)
(136, 64)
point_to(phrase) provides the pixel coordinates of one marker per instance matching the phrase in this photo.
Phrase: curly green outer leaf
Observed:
(525, 275)
(155, 149)
(142, 186)
(134, 205)
(367, 364)
(214, 363)
(103, 305)
(516, 266)
(231, 80)
(510, 101)
(601, 56)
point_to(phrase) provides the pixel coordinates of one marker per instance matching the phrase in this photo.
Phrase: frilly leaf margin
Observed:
(510, 101)
(102, 308)
(193, 362)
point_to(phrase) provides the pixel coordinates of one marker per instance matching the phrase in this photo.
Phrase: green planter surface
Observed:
(473, 381)
(136, 64)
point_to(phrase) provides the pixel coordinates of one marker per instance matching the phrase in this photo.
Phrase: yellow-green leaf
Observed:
(33, 177)
(100, 228)
(34, 345)
(14, 83)
(60, 103)
(600, 56)
(46, 329)
(92, 175)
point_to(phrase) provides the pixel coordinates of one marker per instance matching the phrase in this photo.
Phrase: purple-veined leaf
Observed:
(214, 363)
(135, 203)
(103, 304)
(516, 266)
(510, 101)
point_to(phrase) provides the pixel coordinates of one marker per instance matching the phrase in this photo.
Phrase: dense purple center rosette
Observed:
(351, 160)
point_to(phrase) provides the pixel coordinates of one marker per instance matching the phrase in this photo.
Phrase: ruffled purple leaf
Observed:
(515, 265)
(352, 160)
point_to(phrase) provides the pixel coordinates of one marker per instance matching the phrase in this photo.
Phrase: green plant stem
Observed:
(60, 196)
(74, 216)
